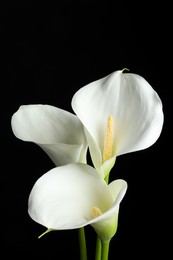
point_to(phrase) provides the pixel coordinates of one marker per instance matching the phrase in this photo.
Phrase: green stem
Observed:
(98, 249)
(105, 250)
(82, 244)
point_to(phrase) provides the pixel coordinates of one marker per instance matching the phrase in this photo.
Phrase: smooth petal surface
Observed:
(64, 197)
(59, 133)
(134, 105)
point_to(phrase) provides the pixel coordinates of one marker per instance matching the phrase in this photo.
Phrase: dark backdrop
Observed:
(51, 50)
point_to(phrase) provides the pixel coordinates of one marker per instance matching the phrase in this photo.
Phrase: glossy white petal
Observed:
(134, 105)
(64, 197)
(59, 133)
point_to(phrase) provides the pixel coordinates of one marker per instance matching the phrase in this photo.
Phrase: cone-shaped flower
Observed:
(59, 133)
(73, 196)
(121, 113)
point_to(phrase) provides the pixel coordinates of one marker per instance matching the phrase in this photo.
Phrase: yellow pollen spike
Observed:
(109, 139)
(96, 212)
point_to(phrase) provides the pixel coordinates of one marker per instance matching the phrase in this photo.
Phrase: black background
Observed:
(51, 50)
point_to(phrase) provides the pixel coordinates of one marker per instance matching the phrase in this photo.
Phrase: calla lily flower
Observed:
(121, 113)
(73, 196)
(59, 133)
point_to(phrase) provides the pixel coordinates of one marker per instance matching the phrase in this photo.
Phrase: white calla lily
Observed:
(121, 113)
(59, 133)
(73, 196)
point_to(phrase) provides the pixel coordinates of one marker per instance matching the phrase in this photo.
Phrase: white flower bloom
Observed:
(59, 133)
(73, 196)
(121, 113)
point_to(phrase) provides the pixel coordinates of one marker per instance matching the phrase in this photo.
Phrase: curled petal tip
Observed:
(125, 69)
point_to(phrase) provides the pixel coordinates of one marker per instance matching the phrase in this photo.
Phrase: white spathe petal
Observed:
(49, 126)
(63, 198)
(134, 105)
(106, 224)
(62, 154)
(141, 122)
(95, 102)
(46, 124)
(118, 190)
